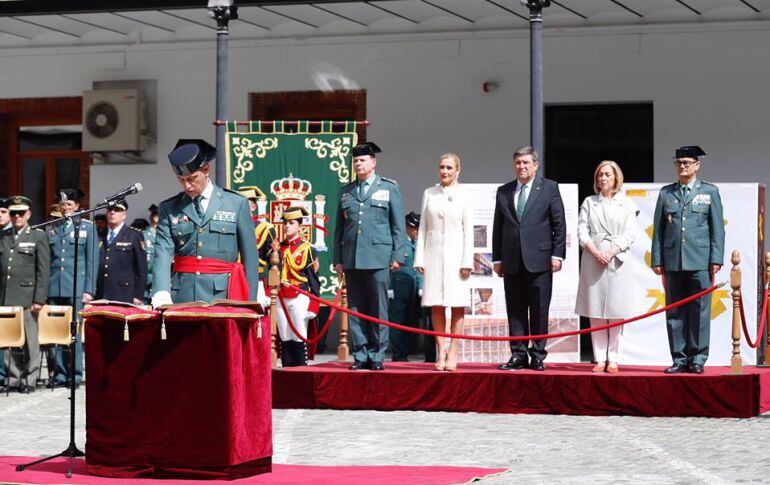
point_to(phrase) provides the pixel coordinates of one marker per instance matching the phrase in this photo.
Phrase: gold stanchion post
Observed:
(274, 282)
(736, 363)
(343, 350)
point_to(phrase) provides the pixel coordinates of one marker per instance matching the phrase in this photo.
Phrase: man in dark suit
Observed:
(528, 246)
(24, 274)
(122, 262)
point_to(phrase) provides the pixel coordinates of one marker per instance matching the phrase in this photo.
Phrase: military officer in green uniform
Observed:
(24, 274)
(368, 243)
(404, 299)
(148, 234)
(688, 249)
(5, 223)
(61, 240)
(203, 231)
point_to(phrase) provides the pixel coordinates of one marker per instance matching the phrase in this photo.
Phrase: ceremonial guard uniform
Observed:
(264, 232)
(368, 239)
(688, 237)
(24, 274)
(404, 306)
(123, 264)
(61, 239)
(149, 247)
(299, 267)
(203, 237)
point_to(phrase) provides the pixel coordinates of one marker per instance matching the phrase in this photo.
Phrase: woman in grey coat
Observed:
(606, 293)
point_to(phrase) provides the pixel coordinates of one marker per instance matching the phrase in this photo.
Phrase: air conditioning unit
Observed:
(113, 121)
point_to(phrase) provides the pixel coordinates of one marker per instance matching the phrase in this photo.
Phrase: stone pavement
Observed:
(539, 449)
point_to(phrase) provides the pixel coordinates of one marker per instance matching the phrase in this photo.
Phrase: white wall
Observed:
(707, 83)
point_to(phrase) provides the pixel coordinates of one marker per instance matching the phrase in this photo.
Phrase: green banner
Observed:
(307, 167)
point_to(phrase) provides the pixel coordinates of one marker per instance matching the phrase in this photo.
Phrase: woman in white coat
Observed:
(606, 292)
(444, 254)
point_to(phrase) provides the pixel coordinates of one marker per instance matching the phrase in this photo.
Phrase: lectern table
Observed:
(183, 394)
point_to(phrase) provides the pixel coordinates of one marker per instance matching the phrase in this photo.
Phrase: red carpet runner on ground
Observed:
(561, 389)
(53, 472)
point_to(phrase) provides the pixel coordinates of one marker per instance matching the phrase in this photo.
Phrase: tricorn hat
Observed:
(413, 219)
(65, 194)
(693, 151)
(252, 192)
(368, 148)
(4, 201)
(295, 213)
(153, 209)
(191, 154)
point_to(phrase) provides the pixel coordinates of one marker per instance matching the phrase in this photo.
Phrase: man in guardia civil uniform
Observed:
(369, 243)
(5, 223)
(264, 232)
(299, 267)
(24, 273)
(148, 234)
(61, 239)
(202, 233)
(688, 242)
(404, 304)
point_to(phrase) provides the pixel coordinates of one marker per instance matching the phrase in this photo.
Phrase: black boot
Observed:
(287, 354)
(300, 349)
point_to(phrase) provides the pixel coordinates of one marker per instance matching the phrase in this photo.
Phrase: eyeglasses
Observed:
(685, 163)
(18, 213)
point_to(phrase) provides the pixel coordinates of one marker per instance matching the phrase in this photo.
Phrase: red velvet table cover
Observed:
(195, 405)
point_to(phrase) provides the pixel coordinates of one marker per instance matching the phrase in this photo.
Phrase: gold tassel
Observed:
(125, 332)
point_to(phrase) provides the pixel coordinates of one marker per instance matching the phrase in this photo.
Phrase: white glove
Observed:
(310, 315)
(161, 298)
(391, 294)
(262, 297)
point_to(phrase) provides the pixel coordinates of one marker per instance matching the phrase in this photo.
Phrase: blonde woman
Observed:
(444, 254)
(606, 292)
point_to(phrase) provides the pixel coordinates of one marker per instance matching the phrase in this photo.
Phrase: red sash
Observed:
(237, 286)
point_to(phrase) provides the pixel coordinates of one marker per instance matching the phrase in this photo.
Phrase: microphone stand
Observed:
(72, 450)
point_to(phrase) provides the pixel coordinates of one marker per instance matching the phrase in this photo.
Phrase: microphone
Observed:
(137, 187)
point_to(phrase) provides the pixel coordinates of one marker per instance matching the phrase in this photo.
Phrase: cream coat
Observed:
(444, 245)
(607, 292)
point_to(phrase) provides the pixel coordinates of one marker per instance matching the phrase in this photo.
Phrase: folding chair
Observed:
(11, 336)
(53, 331)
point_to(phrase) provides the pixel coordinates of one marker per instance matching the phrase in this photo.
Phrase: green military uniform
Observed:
(3, 205)
(61, 240)
(369, 236)
(404, 305)
(688, 236)
(149, 236)
(24, 275)
(225, 232)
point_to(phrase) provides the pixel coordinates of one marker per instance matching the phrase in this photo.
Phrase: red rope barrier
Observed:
(762, 323)
(522, 337)
(325, 328)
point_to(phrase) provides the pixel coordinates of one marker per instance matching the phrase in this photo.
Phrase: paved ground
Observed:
(540, 449)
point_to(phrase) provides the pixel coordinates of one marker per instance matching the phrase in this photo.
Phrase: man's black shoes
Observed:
(359, 365)
(514, 363)
(695, 369)
(377, 366)
(676, 369)
(537, 364)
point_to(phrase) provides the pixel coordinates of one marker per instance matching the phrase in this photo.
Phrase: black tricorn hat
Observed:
(153, 209)
(413, 219)
(69, 194)
(4, 203)
(368, 148)
(140, 224)
(693, 151)
(191, 154)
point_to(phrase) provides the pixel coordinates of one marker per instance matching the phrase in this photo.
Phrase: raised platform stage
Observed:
(561, 389)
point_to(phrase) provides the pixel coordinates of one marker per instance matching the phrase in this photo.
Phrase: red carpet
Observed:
(561, 389)
(53, 472)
